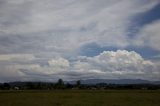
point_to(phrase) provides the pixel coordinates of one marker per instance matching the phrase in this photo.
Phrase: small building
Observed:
(16, 88)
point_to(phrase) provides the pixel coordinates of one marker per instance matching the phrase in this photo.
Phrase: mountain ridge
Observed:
(116, 81)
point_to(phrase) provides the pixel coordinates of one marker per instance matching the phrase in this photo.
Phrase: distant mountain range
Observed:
(116, 81)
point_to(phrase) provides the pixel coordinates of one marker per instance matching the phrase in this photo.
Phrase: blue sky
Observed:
(78, 39)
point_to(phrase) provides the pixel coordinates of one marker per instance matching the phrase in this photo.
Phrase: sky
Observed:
(44, 40)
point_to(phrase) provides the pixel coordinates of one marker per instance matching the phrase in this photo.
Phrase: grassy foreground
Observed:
(80, 98)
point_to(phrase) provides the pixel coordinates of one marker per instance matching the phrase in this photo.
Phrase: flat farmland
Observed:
(80, 98)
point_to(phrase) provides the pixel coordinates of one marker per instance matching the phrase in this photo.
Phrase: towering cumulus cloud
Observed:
(121, 63)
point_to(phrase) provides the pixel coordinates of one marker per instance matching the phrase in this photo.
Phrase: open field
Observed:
(81, 98)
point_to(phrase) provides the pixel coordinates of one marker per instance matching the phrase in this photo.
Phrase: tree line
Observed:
(60, 84)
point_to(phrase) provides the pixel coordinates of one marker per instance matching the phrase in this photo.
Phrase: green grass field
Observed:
(80, 98)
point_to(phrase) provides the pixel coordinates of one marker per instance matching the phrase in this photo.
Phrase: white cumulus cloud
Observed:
(108, 65)
(60, 62)
(120, 61)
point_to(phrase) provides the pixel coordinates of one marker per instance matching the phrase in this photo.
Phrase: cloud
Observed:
(149, 36)
(107, 65)
(54, 66)
(39, 39)
(60, 62)
(119, 61)
(10, 57)
(64, 26)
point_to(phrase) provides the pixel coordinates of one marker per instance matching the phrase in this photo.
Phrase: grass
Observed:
(80, 98)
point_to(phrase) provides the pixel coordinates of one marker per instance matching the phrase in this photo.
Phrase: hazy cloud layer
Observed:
(44, 39)
(66, 25)
(149, 36)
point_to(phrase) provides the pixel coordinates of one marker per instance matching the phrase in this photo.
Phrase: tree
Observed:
(30, 85)
(6, 86)
(69, 86)
(60, 84)
(78, 83)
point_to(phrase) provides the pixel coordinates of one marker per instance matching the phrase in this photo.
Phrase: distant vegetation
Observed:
(60, 84)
